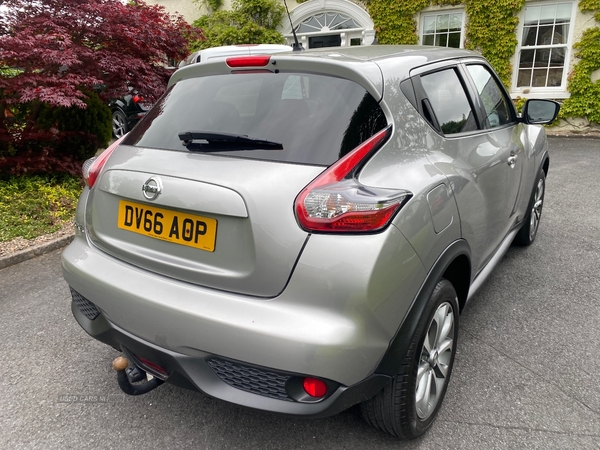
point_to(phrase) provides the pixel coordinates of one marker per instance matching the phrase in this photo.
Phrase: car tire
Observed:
(528, 231)
(119, 124)
(408, 405)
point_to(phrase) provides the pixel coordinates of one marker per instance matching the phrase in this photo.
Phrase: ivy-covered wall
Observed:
(491, 26)
(491, 29)
(585, 93)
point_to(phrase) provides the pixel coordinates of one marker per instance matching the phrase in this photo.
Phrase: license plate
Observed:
(179, 228)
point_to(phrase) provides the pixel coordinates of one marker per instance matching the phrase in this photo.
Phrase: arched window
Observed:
(330, 23)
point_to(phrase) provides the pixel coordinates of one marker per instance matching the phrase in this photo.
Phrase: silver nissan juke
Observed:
(299, 232)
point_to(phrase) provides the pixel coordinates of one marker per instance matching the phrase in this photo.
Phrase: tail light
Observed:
(335, 202)
(141, 102)
(93, 166)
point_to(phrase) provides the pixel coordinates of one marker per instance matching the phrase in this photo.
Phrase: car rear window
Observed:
(317, 118)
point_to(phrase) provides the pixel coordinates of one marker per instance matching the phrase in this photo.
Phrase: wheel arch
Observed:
(454, 264)
(459, 274)
(545, 163)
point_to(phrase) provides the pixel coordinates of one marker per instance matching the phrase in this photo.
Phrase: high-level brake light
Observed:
(248, 61)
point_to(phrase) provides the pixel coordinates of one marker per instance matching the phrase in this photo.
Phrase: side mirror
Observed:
(540, 112)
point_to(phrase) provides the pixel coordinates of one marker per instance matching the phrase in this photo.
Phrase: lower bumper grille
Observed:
(87, 308)
(251, 379)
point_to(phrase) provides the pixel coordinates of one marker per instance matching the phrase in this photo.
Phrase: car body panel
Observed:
(328, 331)
(263, 235)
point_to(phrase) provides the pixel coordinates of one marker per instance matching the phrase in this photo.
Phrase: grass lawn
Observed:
(31, 206)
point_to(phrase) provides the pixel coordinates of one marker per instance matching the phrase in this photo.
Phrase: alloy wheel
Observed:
(536, 209)
(119, 124)
(436, 356)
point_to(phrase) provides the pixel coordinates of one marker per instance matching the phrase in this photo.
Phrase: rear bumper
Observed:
(336, 327)
(267, 390)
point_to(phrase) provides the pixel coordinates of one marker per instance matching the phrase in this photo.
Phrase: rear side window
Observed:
(317, 118)
(449, 101)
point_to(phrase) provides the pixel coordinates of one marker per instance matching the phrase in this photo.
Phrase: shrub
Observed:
(31, 206)
(80, 131)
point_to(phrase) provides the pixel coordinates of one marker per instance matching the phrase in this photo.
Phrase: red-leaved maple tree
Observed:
(53, 51)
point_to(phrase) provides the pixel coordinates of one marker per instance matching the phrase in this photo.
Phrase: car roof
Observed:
(366, 65)
(379, 52)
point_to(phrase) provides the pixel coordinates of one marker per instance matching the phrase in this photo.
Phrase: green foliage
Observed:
(585, 93)
(519, 102)
(591, 6)
(490, 29)
(82, 131)
(211, 5)
(248, 22)
(33, 206)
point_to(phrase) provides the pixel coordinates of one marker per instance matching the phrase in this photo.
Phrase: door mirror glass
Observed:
(540, 111)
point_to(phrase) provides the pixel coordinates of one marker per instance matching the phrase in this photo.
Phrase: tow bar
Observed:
(126, 377)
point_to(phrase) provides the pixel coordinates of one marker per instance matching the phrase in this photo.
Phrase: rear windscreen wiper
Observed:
(211, 141)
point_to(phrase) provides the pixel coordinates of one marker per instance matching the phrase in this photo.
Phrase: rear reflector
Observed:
(314, 387)
(336, 202)
(248, 61)
(152, 367)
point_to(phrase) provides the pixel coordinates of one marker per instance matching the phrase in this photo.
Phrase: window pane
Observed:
(539, 78)
(532, 15)
(442, 23)
(455, 23)
(436, 29)
(449, 101)
(454, 40)
(529, 36)
(558, 57)
(524, 78)
(347, 115)
(563, 13)
(547, 14)
(526, 58)
(429, 24)
(561, 34)
(542, 58)
(553, 27)
(545, 35)
(494, 100)
(555, 77)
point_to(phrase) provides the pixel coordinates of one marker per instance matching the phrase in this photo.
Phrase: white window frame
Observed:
(543, 92)
(439, 12)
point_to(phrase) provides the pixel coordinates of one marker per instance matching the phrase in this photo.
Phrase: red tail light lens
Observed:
(314, 387)
(93, 166)
(336, 202)
(137, 99)
(248, 61)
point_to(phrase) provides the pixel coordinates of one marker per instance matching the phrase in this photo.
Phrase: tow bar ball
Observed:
(127, 376)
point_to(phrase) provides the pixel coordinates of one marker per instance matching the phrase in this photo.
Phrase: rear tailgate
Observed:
(242, 237)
